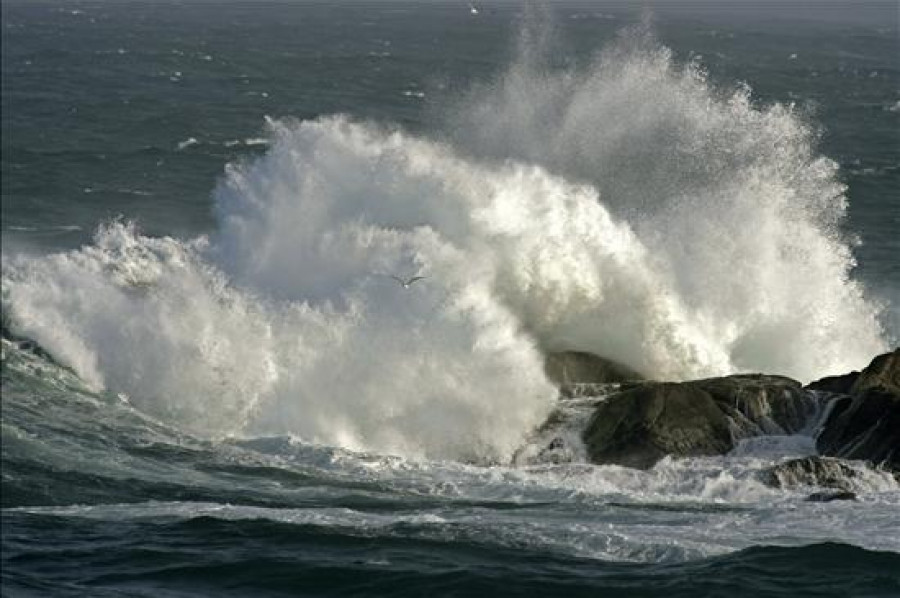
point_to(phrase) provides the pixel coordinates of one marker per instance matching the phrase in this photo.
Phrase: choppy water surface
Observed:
(224, 392)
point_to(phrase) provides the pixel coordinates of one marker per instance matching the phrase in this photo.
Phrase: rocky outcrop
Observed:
(759, 404)
(823, 472)
(643, 421)
(638, 427)
(575, 367)
(883, 373)
(864, 427)
(835, 384)
(866, 423)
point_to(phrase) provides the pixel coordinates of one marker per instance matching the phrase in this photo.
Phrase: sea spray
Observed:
(147, 318)
(738, 212)
(384, 371)
(508, 237)
(628, 209)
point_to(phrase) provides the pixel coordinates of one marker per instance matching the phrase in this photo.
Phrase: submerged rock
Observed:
(638, 427)
(825, 472)
(830, 496)
(866, 424)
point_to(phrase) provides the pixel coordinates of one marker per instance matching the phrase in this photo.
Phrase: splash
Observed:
(739, 213)
(629, 209)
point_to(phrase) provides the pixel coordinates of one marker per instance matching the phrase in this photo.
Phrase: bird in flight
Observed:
(407, 282)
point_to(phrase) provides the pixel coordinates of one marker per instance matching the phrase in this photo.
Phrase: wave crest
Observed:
(628, 209)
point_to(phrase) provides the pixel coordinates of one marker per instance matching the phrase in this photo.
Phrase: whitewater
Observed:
(627, 208)
(256, 407)
(263, 410)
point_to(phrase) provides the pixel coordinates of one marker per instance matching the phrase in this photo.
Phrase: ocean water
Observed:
(212, 386)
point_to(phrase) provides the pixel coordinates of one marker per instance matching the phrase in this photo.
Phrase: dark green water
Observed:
(259, 558)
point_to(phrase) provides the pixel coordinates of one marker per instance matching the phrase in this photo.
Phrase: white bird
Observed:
(407, 282)
(472, 9)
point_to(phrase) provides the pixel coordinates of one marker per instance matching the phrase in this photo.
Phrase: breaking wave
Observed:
(627, 208)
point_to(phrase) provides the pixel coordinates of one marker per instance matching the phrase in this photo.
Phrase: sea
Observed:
(215, 384)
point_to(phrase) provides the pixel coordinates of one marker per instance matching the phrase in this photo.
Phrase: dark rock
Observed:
(638, 427)
(866, 425)
(758, 404)
(575, 367)
(835, 384)
(883, 372)
(830, 496)
(645, 421)
(556, 451)
(824, 472)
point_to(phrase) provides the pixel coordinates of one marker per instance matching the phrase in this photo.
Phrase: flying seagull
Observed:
(406, 283)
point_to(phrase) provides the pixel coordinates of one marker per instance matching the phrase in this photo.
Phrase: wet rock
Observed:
(835, 384)
(759, 404)
(824, 472)
(557, 451)
(830, 496)
(866, 424)
(575, 367)
(638, 427)
(883, 372)
(864, 427)
(558, 439)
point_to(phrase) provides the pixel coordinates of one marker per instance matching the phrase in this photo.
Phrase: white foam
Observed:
(249, 142)
(37, 229)
(187, 142)
(678, 511)
(736, 211)
(711, 247)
